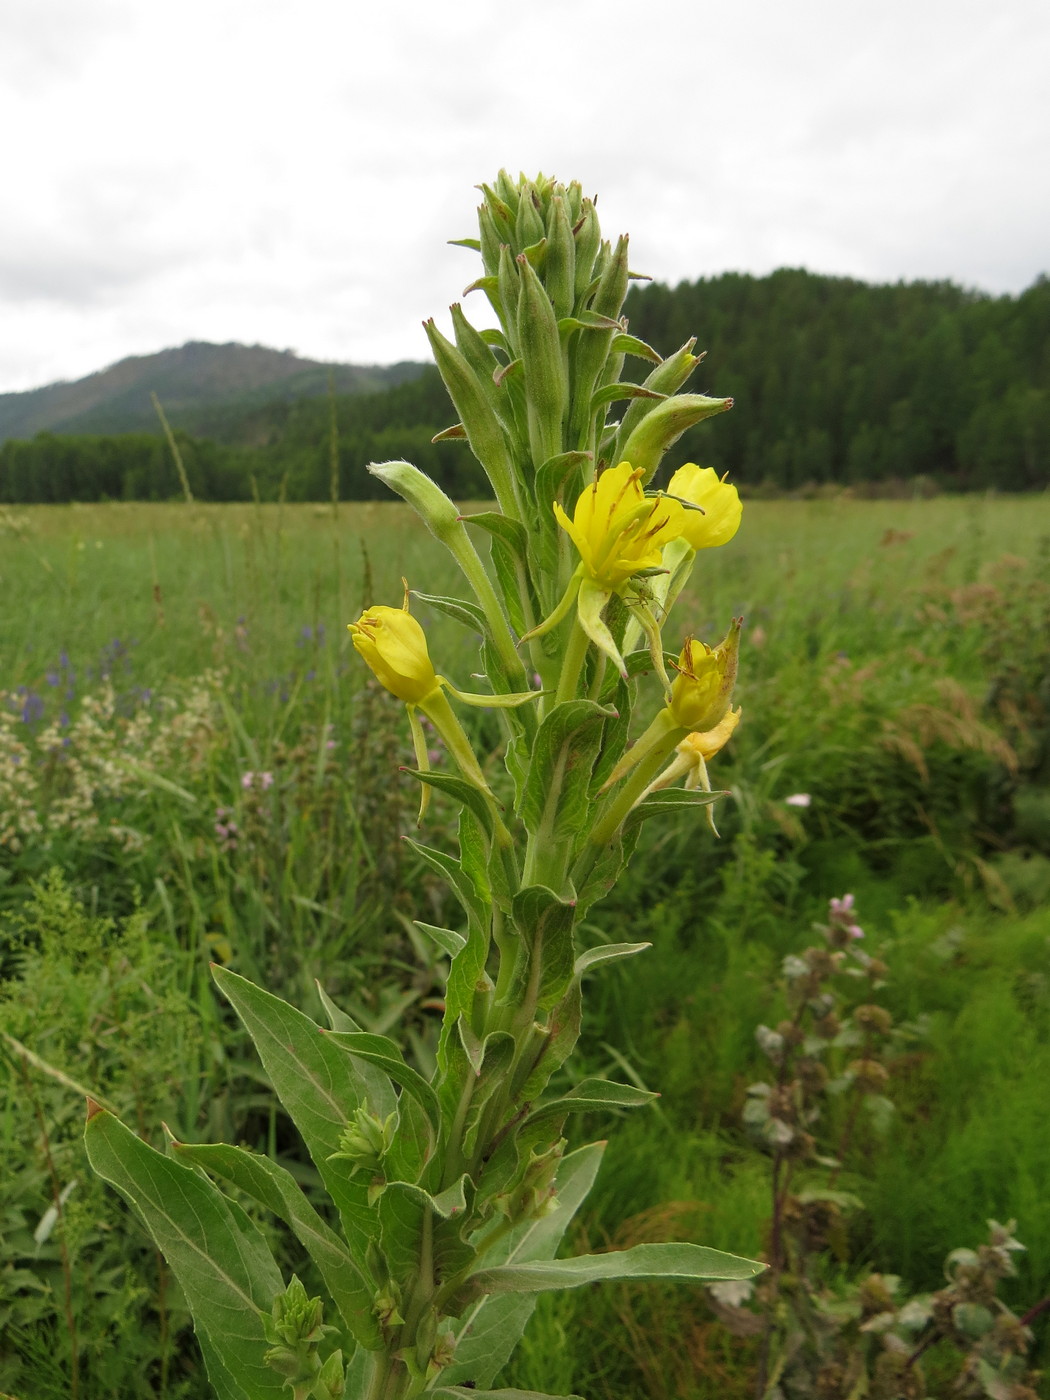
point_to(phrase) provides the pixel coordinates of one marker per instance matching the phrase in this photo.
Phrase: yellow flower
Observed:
(690, 761)
(618, 530)
(719, 502)
(395, 647)
(703, 688)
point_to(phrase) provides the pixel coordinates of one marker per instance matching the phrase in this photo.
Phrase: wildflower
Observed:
(691, 759)
(620, 533)
(840, 913)
(798, 799)
(717, 518)
(699, 703)
(247, 779)
(394, 645)
(265, 781)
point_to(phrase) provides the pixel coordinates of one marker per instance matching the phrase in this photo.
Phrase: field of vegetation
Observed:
(194, 767)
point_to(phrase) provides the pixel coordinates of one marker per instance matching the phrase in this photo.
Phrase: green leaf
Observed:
(447, 939)
(459, 1392)
(555, 800)
(631, 345)
(452, 872)
(563, 1031)
(613, 392)
(319, 1087)
(511, 532)
(670, 799)
(338, 1019)
(552, 474)
(380, 1051)
(220, 1259)
(469, 614)
(451, 783)
(592, 1095)
(644, 1261)
(489, 1330)
(607, 952)
(275, 1188)
(545, 922)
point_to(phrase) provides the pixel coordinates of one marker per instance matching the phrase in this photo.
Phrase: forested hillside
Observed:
(835, 381)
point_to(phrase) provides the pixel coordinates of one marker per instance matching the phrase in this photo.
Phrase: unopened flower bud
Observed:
(394, 645)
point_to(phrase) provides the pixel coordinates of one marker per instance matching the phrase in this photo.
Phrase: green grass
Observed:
(857, 614)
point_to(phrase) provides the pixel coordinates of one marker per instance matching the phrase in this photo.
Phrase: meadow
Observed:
(194, 767)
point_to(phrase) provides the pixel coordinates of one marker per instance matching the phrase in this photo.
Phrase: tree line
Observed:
(835, 381)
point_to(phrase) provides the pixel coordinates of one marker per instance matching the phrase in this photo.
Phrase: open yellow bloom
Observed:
(719, 501)
(618, 530)
(395, 646)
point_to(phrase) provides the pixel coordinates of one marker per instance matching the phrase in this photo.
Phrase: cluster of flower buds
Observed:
(585, 559)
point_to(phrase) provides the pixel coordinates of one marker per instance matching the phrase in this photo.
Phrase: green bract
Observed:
(449, 1195)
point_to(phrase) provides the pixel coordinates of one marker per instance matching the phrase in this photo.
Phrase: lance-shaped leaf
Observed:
(546, 923)
(644, 1261)
(452, 872)
(319, 1087)
(467, 793)
(555, 801)
(469, 614)
(275, 1188)
(220, 1259)
(511, 532)
(487, 1333)
(447, 939)
(593, 1095)
(607, 952)
(380, 1051)
(461, 1392)
(670, 800)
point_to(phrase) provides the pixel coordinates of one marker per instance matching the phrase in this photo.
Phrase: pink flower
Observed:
(265, 781)
(798, 799)
(247, 779)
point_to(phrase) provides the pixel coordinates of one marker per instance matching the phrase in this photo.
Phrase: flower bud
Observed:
(718, 519)
(703, 688)
(395, 646)
(425, 496)
(664, 425)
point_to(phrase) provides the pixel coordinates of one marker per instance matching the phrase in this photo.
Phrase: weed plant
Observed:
(905, 698)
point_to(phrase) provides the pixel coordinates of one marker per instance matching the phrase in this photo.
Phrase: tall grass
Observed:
(269, 838)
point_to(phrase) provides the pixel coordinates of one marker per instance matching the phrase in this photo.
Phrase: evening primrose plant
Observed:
(449, 1194)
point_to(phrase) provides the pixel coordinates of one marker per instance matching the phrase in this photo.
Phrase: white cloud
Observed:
(289, 172)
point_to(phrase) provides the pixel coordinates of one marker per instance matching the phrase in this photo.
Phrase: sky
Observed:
(288, 172)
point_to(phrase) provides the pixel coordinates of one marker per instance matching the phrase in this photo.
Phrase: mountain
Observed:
(198, 384)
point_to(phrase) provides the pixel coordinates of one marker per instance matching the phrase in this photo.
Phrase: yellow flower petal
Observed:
(394, 645)
(718, 500)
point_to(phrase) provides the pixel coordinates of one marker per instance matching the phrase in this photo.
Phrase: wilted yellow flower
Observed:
(703, 688)
(618, 530)
(719, 501)
(698, 748)
(395, 646)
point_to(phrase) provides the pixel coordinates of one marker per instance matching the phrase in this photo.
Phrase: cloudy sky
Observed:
(287, 171)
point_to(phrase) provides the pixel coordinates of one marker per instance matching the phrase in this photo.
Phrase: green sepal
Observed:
(546, 389)
(224, 1267)
(560, 264)
(382, 1052)
(275, 1188)
(592, 1096)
